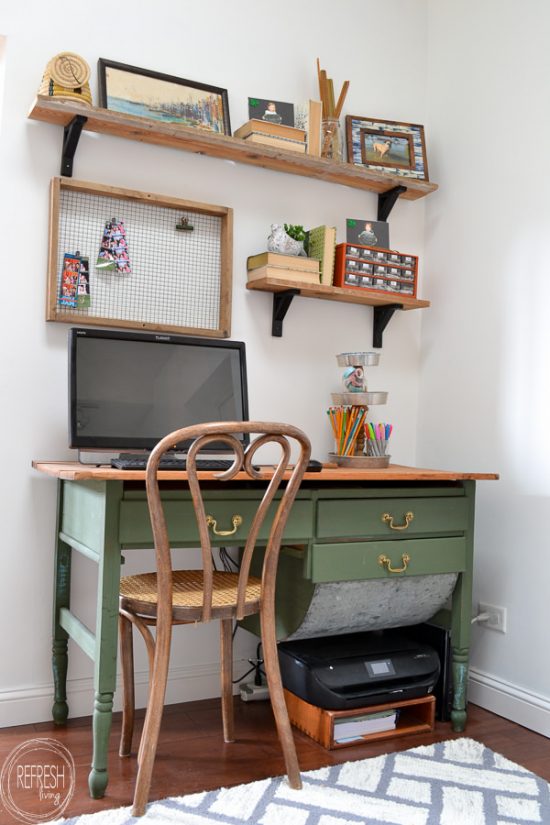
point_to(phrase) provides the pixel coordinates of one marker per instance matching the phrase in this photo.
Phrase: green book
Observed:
(321, 244)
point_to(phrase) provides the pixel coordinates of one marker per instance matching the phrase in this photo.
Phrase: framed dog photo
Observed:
(162, 97)
(387, 146)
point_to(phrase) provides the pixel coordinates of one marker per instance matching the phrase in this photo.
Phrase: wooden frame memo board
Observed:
(147, 261)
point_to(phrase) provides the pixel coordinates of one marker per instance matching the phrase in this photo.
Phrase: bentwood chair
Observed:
(169, 597)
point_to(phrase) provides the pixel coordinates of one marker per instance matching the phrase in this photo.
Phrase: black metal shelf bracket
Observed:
(382, 317)
(281, 304)
(387, 200)
(71, 136)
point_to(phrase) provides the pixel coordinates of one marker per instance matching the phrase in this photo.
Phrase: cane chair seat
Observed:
(138, 594)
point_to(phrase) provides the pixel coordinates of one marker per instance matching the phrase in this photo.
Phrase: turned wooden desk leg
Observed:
(61, 598)
(106, 636)
(460, 684)
(460, 641)
(462, 622)
(101, 726)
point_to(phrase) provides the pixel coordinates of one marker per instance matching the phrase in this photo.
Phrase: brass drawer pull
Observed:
(384, 561)
(236, 521)
(389, 519)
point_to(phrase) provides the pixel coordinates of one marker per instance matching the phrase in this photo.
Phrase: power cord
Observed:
(229, 563)
(259, 662)
(256, 668)
(481, 617)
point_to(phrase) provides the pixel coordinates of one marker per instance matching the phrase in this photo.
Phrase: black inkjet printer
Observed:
(358, 669)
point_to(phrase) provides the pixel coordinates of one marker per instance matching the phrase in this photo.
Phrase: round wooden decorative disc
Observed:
(69, 70)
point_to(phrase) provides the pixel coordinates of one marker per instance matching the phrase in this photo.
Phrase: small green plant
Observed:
(296, 232)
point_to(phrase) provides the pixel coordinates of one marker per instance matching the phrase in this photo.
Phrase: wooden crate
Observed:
(416, 716)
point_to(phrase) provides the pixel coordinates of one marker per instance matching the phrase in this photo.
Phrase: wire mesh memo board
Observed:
(168, 279)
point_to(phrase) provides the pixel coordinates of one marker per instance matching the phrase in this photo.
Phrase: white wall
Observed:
(484, 383)
(251, 50)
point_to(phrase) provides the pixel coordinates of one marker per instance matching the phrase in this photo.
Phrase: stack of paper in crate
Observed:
(273, 134)
(355, 727)
(283, 267)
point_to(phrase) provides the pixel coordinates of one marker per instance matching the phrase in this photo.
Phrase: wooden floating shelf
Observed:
(368, 297)
(384, 303)
(104, 121)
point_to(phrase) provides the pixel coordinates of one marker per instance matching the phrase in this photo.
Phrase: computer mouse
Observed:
(314, 466)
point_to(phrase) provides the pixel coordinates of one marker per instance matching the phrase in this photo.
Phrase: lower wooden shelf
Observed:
(350, 295)
(415, 716)
(384, 304)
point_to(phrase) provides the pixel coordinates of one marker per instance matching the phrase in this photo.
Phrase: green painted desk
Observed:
(337, 517)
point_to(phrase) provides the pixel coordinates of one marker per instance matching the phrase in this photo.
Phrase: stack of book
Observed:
(273, 134)
(283, 267)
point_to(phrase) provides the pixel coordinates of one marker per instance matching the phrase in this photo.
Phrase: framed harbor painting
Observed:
(387, 146)
(162, 97)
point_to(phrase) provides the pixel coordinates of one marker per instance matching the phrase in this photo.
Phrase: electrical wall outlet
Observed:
(497, 616)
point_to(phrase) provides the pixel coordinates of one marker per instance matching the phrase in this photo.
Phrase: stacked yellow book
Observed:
(273, 134)
(283, 267)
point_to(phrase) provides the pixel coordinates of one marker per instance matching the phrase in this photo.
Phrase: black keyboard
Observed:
(214, 464)
(140, 463)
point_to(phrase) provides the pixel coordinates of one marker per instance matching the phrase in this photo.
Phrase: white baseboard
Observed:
(27, 705)
(185, 684)
(532, 710)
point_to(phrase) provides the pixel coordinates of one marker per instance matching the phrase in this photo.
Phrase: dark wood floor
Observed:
(192, 756)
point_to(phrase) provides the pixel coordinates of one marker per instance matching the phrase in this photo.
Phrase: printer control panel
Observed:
(380, 669)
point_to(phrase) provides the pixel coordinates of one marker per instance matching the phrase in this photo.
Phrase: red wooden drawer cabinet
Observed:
(372, 268)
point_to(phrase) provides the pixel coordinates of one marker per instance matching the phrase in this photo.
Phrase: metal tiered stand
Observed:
(355, 403)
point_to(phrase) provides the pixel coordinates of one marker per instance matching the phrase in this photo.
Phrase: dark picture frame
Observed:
(162, 97)
(387, 146)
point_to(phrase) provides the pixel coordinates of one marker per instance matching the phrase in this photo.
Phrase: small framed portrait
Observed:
(162, 97)
(387, 146)
(368, 233)
(272, 111)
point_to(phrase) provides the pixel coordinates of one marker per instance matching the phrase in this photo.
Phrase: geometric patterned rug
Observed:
(459, 782)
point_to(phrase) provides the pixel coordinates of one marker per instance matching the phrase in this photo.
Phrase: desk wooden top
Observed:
(74, 471)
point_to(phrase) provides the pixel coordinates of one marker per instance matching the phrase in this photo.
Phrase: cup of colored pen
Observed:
(347, 423)
(376, 438)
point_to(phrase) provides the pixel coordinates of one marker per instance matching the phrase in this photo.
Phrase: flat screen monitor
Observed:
(128, 390)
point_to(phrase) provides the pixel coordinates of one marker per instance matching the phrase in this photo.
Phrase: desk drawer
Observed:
(340, 518)
(135, 525)
(351, 561)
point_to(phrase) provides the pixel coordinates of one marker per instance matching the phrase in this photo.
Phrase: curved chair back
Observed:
(225, 432)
